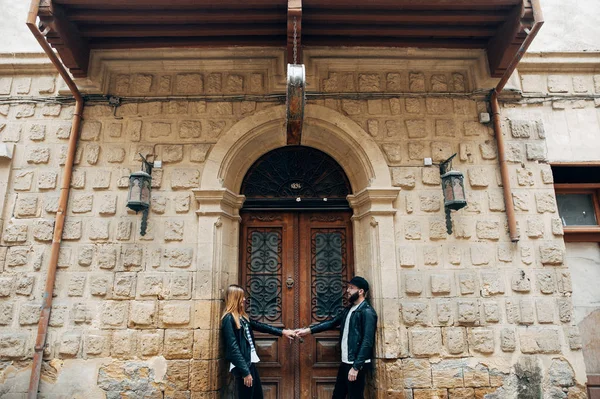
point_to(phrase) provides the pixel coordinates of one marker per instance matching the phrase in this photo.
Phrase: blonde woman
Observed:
(239, 343)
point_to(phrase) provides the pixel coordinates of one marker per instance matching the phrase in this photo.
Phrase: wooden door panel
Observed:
(265, 259)
(270, 388)
(314, 250)
(327, 351)
(326, 263)
(267, 349)
(323, 387)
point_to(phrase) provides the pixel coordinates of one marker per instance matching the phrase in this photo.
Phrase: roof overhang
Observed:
(75, 27)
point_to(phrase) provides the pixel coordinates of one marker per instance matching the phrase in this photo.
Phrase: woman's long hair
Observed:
(234, 304)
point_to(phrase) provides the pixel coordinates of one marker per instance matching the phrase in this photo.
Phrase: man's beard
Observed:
(353, 297)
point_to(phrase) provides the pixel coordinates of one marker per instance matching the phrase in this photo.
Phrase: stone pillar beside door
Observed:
(217, 267)
(375, 259)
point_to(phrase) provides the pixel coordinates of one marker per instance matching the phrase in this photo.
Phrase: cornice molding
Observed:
(369, 59)
(25, 63)
(564, 62)
(104, 63)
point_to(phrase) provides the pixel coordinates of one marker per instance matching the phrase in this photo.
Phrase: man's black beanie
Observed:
(360, 283)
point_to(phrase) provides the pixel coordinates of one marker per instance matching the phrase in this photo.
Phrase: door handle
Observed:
(289, 282)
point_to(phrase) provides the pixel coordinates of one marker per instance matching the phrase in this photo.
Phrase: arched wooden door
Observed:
(295, 261)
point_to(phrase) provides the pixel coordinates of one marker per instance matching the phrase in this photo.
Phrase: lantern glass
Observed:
(139, 191)
(454, 190)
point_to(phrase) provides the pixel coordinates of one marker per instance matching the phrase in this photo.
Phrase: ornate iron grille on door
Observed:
(328, 266)
(263, 268)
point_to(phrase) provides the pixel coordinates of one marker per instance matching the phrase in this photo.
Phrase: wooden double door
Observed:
(294, 267)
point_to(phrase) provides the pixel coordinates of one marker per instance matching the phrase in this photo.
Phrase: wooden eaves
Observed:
(74, 27)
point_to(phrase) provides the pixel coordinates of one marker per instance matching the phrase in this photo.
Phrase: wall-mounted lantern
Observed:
(140, 187)
(453, 187)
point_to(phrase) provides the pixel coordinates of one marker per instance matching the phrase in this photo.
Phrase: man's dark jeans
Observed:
(352, 390)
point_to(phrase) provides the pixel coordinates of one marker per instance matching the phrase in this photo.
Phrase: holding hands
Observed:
(297, 333)
(289, 334)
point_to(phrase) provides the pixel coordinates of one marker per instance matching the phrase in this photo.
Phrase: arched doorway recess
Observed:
(295, 259)
(372, 204)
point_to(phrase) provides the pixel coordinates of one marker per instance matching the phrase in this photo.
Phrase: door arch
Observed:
(295, 259)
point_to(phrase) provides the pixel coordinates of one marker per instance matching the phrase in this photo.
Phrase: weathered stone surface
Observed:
(143, 313)
(539, 340)
(416, 128)
(185, 178)
(425, 342)
(468, 312)
(551, 254)
(403, 177)
(536, 151)
(447, 374)
(393, 152)
(440, 284)
(430, 202)
(99, 229)
(415, 313)
(478, 177)
(47, 180)
(481, 340)
(124, 285)
(15, 233)
(491, 312)
(417, 373)
(492, 283)
(90, 131)
(14, 345)
(179, 257)
(467, 283)
(82, 203)
(412, 230)
(488, 230)
(114, 313)
(455, 339)
(175, 313)
(178, 344)
(520, 281)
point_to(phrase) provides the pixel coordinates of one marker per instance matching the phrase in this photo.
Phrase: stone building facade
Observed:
(466, 315)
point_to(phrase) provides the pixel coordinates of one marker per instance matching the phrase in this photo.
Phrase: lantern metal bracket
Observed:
(446, 165)
(148, 166)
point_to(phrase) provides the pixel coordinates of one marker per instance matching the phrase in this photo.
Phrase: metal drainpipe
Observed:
(40, 341)
(495, 107)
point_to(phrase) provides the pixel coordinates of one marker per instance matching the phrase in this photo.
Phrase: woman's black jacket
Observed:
(237, 347)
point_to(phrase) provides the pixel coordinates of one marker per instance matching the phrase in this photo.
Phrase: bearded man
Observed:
(358, 322)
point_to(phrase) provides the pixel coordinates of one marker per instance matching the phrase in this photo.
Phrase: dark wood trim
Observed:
(73, 48)
(582, 233)
(575, 164)
(576, 186)
(507, 40)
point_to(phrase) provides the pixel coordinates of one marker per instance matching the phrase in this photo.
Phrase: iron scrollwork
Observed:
(264, 271)
(328, 270)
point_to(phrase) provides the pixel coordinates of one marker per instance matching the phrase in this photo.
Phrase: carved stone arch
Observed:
(324, 129)
(373, 199)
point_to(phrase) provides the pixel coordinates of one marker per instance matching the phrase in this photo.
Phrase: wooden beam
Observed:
(173, 4)
(505, 44)
(193, 42)
(216, 30)
(134, 17)
(404, 17)
(398, 31)
(72, 48)
(319, 41)
(294, 32)
(411, 4)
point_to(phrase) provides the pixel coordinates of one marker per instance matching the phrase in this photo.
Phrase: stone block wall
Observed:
(465, 315)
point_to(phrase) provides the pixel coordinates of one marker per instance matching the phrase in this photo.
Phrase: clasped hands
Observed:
(297, 333)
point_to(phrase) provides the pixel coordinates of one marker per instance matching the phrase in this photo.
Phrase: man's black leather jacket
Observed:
(237, 347)
(361, 333)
